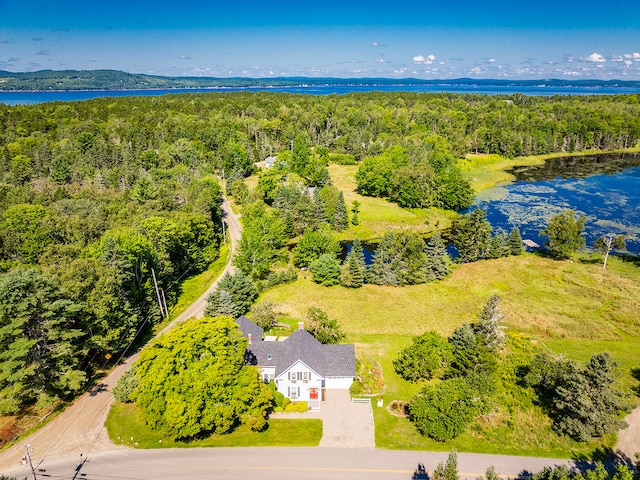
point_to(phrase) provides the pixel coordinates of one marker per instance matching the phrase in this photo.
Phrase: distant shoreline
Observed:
(114, 80)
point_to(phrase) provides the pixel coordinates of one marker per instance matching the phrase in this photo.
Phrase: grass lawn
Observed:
(573, 307)
(125, 429)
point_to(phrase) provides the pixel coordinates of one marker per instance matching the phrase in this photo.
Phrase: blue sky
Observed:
(393, 39)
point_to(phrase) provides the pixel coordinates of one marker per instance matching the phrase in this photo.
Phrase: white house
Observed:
(270, 161)
(301, 367)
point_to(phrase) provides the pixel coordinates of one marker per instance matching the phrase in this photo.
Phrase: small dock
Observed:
(530, 243)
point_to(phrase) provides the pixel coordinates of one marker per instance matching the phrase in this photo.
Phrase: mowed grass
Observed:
(125, 429)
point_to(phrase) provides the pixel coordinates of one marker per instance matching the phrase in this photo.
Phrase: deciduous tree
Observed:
(194, 380)
(565, 234)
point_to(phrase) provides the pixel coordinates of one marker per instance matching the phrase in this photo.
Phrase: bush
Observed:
(356, 388)
(299, 407)
(126, 385)
(427, 357)
(342, 159)
(278, 398)
(442, 412)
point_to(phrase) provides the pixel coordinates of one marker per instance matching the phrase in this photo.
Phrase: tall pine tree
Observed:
(354, 269)
(340, 219)
(438, 259)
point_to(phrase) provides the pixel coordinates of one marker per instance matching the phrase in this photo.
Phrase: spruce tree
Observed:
(355, 211)
(438, 259)
(489, 328)
(499, 246)
(471, 235)
(319, 210)
(340, 219)
(515, 242)
(354, 269)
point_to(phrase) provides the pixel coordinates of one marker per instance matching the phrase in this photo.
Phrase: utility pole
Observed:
(164, 301)
(27, 457)
(224, 234)
(155, 284)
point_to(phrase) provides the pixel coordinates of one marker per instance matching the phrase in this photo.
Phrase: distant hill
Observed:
(117, 80)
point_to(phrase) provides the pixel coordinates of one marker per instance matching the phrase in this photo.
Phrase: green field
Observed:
(125, 429)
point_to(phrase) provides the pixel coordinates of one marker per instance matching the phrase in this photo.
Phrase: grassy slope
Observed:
(125, 429)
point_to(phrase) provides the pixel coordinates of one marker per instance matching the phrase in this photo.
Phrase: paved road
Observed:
(80, 428)
(275, 463)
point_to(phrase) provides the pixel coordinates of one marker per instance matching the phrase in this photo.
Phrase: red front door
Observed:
(313, 394)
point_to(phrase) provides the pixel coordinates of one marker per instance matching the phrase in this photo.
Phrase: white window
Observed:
(293, 392)
(306, 376)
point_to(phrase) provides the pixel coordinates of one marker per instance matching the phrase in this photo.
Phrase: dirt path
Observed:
(628, 444)
(80, 428)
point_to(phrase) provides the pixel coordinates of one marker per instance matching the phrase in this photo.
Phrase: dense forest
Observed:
(97, 197)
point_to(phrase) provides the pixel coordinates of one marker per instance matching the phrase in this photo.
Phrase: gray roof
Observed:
(326, 360)
(248, 327)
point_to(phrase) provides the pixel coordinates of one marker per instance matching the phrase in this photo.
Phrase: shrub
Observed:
(442, 412)
(126, 385)
(299, 407)
(427, 357)
(356, 388)
(342, 158)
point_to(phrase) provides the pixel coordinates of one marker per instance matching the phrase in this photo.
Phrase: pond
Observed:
(605, 188)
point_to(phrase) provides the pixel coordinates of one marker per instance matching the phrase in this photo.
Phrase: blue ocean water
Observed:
(24, 98)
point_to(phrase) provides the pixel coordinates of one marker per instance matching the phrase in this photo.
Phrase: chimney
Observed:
(300, 325)
(249, 338)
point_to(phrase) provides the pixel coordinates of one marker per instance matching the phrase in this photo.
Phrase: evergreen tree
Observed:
(499, 246)
(489, 328)
(515, 242)
(319, 210)
(472, 236)
(40, 343)
(354, 270)
(355, 212)
(451, 467)
(325, 270)
(399, 260)
(340, 219)
(233, 296)
(438, 259)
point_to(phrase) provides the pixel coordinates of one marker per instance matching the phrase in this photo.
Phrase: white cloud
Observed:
(633, 56)
(628, 63)
(616, 58)
(381, 60)
(421, 59)
(491, 60)
(595, 58)
(375, 44)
